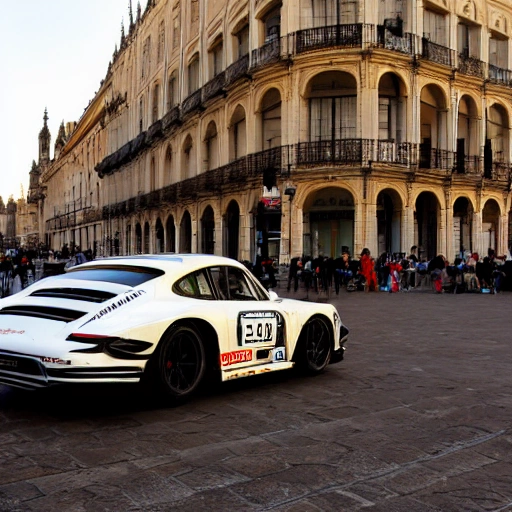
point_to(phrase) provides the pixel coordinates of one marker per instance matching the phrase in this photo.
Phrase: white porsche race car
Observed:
(170, 319)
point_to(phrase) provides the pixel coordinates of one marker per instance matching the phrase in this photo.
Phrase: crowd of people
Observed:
(21, 262)
(394, 272)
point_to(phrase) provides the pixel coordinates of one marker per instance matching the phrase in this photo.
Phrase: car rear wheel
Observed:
(315, 345)
(182, 362)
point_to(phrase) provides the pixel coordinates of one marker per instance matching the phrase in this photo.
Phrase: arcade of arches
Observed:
(325, 219)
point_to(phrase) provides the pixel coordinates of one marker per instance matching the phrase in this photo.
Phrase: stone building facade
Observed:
(293, 127)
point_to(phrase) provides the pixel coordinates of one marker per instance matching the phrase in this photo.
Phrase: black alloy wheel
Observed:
(182, 362)
(317, 345)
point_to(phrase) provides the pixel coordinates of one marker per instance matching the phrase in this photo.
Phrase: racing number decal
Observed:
(258, 327)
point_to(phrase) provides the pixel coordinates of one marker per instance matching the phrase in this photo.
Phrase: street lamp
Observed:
(290, 192)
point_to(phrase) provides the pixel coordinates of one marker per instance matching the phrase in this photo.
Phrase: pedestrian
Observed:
(368, 270)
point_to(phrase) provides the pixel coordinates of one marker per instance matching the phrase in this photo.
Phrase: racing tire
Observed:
(315, 346)
(181, 362)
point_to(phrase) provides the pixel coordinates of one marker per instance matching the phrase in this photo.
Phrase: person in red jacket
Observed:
(368, 270)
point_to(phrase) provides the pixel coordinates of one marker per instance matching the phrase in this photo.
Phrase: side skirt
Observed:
(248, 371)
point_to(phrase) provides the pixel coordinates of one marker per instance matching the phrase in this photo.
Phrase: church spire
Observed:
(130, 12)
(44, 141)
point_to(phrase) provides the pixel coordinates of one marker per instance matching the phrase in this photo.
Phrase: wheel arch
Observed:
(300, 339)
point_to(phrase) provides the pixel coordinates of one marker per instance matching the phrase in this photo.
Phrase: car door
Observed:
(255, 323)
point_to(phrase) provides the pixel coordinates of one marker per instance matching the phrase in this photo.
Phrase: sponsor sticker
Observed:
(128, 297)
(10, 331)
(279, 354)
(238, 356)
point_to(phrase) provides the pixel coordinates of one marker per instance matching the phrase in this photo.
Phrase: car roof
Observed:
(170, 263)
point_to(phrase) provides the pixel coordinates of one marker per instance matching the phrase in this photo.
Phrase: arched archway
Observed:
(186, 233)
(462, 226)
(159, 236)
(208, 231)
(232, 230)
(490, 225)
(170, 232)
(389, 221)
(329, 217)
(426, 225)
(146, 238)
(138, 238)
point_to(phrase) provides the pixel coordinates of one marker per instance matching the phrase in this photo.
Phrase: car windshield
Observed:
(127, 275)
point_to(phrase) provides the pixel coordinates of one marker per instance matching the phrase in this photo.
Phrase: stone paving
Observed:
(417, 418)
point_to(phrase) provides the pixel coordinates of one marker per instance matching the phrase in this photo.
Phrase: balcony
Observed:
(468, 164)
(239, 69)
(436, 53)
(192, 102)
(266, 54)
(470, 65)
(214, 87)
(399, 43)
(500, 76)
(345, 36)
(340, 152)
(434, 158)
(171, 118)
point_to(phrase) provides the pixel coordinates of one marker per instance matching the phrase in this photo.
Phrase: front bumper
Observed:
(338, 354)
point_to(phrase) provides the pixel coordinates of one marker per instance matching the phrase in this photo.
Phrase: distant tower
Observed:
(44, 142)
(61, 141)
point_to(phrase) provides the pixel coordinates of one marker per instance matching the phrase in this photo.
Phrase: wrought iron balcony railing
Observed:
(171, 118)
(237, 70)
(192, 102)
(499, 75)
(266, 54)
(346, 36)
(437, 53)
(470, 65)
(468, 164)
(405, 43)
(434, 158)
(214, 87)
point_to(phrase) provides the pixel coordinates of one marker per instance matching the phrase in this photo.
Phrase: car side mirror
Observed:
(273, 295)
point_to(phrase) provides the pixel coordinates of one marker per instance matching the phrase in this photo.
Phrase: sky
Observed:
(53, 54)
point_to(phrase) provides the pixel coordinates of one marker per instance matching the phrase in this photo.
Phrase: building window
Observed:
(498, 52)
(272, 24)
(172, 91)
(242, 42)
(156, 94)
(468, 40)
(215, 58)
(141, 115)
(434, 27)
(333, 12)
(193, 75)
(146, 58)
(161, 43)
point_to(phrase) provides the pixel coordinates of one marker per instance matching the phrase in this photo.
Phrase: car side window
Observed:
(232, 283)
(194, 285)
(239, 288)
(220, 281)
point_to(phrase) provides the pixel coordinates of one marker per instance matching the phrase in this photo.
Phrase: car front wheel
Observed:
(315, 345)
(182, 362)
